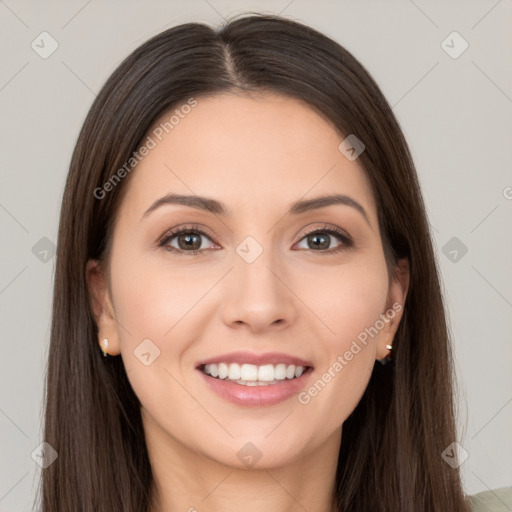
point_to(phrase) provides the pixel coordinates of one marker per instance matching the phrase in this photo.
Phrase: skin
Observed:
(257, 155)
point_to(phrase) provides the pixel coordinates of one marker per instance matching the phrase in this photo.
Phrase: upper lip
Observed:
(242, 357)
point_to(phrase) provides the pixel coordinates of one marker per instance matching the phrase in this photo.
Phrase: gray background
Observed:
(456, 115)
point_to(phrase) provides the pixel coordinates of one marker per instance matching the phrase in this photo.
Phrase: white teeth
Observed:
(223, 371)
(252, 375)
(234, 371)
(249, 372)
(280, 372)
(266, 373)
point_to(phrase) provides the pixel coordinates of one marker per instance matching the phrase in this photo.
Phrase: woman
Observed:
(243, 235)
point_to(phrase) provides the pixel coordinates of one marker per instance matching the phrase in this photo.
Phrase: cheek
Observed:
(152, 300)
(157, 310)
(351, 300)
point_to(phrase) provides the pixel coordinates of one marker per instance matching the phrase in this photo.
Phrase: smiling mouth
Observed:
(254, 375)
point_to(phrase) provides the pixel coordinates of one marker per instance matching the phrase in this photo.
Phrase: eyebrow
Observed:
(218, 208)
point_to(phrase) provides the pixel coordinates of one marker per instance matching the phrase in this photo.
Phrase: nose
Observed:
(258, 296)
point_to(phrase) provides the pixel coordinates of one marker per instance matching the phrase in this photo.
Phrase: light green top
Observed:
(495, 500)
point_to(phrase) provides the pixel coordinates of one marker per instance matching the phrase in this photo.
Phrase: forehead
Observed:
(253, 153)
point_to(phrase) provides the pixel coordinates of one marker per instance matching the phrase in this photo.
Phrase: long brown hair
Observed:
(392, 444)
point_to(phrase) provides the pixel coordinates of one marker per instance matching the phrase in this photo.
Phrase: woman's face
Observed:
(259, 278)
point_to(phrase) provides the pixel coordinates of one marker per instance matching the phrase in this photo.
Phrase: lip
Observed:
(243, 357)
(256, 396)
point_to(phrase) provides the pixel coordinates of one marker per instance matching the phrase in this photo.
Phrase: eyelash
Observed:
(347, 242)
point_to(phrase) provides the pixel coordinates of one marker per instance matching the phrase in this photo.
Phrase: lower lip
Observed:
(256, 396)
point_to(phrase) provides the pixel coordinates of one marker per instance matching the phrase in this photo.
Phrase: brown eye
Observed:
(322, 240)
(189, 241)
(319, 240)
(186, 240)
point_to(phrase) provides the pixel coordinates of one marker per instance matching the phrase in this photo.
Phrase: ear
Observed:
(398, 288)
(102, 307)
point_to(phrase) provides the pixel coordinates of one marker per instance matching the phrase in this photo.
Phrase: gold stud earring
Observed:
(105, 344)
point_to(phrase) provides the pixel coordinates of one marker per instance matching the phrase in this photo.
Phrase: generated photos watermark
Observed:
(150, 143)
(305, 397)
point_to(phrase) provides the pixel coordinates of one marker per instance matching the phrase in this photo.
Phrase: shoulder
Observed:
(494, 500)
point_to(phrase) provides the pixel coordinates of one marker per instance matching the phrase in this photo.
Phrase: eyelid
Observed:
(329, 229)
